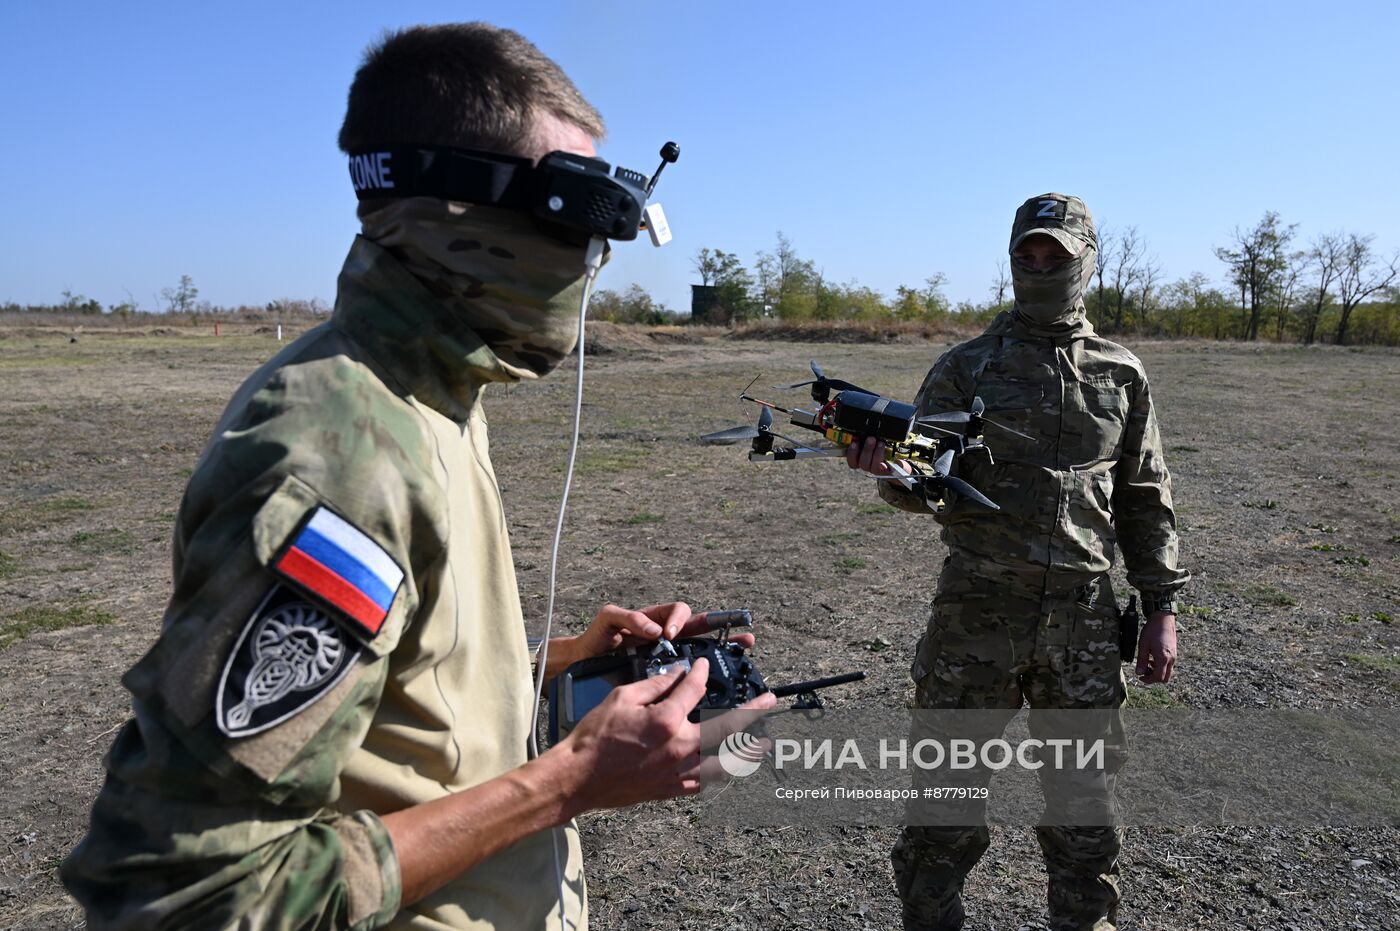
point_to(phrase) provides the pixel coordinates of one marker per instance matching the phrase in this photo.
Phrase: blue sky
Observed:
(889, 141)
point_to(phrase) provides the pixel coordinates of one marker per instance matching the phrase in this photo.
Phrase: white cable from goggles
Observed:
(593, 261)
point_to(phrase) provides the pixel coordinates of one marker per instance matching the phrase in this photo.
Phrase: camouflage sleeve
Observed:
(217, 808)
(945, 388)
(192, 851)
(1142, 502)
(219, 805)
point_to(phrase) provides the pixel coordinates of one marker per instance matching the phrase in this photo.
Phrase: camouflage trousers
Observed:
(991, 644)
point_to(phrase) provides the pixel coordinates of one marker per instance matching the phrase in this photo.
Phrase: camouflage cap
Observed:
(1059, 215)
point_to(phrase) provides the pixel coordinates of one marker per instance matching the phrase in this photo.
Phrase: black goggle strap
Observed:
(450, 174)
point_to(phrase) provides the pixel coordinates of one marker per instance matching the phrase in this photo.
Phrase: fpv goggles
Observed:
(564, 190)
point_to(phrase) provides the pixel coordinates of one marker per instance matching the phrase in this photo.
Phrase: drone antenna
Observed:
(745, 396)
(768, 404)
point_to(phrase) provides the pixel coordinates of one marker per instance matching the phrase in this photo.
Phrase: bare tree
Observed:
(1126, 269)
(1325, 258)
(1361, 275)
(1149, 275)
(1102, 259)
(1001, 283)
(1294, 265)
(766, 271)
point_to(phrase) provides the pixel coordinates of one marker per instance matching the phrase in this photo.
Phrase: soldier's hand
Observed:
(1156, 659)
(638, 745)
(868, 455)
(616, 627)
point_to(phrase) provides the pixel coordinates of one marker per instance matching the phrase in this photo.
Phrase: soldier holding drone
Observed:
(1025, 612)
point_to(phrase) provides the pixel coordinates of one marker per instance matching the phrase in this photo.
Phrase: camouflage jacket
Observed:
(1092, 472)
(344, 639)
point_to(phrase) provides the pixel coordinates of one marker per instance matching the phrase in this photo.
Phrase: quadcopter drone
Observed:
(920, 450)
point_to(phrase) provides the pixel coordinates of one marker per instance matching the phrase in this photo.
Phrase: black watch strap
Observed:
(1152, 603)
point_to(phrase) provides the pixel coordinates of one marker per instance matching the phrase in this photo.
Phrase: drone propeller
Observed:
(974, 413)
(942, 465)
(948, 417)
(956, 416)
(740, 434)
(967, 491)
(1002, 426)
(730, 437)
(832, 384)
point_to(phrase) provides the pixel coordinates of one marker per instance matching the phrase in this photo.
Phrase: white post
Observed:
(279, 332)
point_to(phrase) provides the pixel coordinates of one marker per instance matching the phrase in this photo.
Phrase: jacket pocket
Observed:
(1017, 404)
(1092, 678)
(925, 652)
(1103, 415)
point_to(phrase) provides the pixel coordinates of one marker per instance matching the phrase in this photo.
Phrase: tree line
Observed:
(173, 304)
(1335, 287)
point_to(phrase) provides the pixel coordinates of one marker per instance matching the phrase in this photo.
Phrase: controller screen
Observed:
(589, 693)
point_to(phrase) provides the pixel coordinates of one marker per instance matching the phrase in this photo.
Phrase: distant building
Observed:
(705, 306)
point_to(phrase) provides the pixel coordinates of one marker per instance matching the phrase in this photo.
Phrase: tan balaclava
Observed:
(517, 288)
(1052, 302)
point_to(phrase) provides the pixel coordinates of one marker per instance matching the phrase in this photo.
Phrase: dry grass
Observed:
(853, 331)
(837, 580)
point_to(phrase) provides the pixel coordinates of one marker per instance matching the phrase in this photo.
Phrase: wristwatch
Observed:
(1153, 602)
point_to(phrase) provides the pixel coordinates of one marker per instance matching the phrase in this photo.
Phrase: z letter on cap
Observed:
(335, 561)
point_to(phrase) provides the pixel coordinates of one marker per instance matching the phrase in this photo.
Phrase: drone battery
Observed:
(871, 415)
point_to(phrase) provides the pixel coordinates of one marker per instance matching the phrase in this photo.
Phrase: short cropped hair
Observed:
(467, 85)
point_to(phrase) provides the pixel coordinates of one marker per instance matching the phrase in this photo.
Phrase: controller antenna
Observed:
(669, 153)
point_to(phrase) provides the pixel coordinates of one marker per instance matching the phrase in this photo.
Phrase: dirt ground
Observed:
(1287, 478)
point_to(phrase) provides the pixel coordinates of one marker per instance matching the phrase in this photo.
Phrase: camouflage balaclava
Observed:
(515, 287)
(1053, 301)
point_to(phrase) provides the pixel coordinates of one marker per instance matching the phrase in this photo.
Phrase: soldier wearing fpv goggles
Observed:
(331, 730)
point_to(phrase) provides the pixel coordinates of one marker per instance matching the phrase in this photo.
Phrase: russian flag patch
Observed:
(333, 560)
